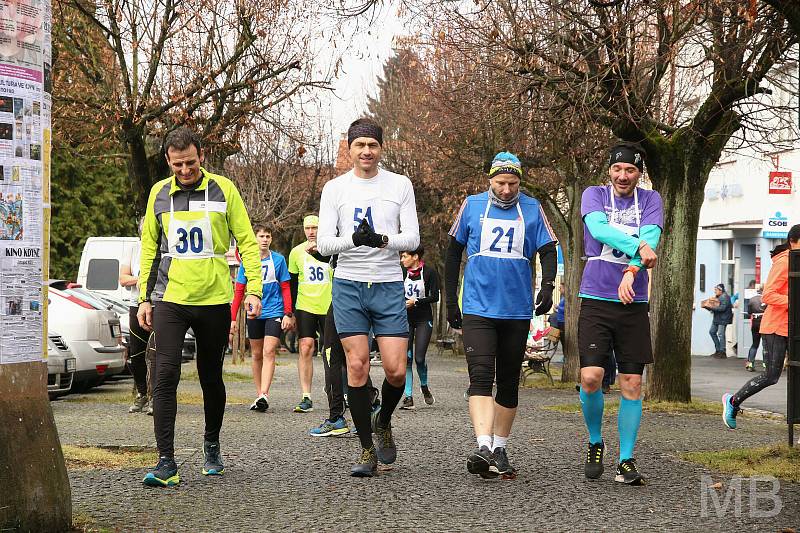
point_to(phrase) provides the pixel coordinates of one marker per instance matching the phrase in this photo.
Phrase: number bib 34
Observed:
(501, 237)
(415, 288)
(190, 239)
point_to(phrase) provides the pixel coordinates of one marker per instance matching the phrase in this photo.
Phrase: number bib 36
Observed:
(316, 272)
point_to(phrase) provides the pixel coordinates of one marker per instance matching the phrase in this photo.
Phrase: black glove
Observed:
(365, 236)
(544, 300)
(454, 316)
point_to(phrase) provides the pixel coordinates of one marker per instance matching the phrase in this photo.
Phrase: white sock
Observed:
(499, 442)
(485, 440)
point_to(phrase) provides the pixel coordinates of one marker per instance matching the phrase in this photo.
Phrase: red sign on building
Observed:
(780, 182)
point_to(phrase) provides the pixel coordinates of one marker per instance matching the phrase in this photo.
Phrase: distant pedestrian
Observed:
(722, 316)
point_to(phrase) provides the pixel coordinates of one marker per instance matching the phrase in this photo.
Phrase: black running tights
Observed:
(211, 324)
(774, 353)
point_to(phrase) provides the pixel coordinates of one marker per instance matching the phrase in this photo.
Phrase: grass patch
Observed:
(126, 396)
(228, 375)
(541, 381)
(92, 457)
(694, 407)
(778, 460)
(85, 523)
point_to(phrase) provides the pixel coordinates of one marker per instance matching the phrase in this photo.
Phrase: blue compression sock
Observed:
(630, 416)
(409, 380)
(422, 371)
(592, 406)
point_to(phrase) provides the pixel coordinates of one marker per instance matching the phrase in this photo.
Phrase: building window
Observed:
(702, 278)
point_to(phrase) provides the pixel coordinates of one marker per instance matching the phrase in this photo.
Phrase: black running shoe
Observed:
(213, 465)
(428, 395)
(593, 468)
(408, 403)
(367, 464)
(165, 474)
(387, 451)
(260, 404)
(628, 474)
(479, 462)
(500, 464)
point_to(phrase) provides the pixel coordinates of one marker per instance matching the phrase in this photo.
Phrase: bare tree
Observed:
(683, 78)
(213, 65)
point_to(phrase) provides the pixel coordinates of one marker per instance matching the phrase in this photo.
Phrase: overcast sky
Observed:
(361, 67)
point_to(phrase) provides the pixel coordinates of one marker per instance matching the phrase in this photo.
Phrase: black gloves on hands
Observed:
(365, 236)
(454, 316)
(544, 300)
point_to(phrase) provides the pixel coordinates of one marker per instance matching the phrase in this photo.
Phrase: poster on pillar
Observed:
(25, 87)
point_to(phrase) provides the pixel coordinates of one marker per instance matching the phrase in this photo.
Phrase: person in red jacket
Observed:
(774, 328)
(264, 332)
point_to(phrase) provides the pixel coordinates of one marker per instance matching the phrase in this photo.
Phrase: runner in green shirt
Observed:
(311, 297)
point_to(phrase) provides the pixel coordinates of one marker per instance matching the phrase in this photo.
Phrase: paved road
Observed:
(713, 377)
(278, 478)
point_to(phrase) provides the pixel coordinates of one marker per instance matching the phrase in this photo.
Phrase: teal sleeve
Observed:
(598, 226)
(651, 234)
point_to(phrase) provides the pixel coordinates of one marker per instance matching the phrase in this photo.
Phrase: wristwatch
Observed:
(289, 315)
(384, 240)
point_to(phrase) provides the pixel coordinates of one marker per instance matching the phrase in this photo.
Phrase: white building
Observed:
(751, 201)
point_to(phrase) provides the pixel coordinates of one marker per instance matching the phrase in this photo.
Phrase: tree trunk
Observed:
(138, 165)
(36, 492)
(573, 272)
(682, 191)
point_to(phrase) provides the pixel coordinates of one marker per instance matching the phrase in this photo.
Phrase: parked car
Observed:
(92, 332)
(61, 364)
(99, 267)
(121, 308)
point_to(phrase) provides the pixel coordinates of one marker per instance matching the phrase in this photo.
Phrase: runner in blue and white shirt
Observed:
(502, 230)
(367, 216)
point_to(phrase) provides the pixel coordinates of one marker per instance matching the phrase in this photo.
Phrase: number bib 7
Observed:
(268, 271)
(190, 239)
(316, 272)
(501, 237)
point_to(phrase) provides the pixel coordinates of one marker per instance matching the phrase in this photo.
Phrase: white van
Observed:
(99, 268)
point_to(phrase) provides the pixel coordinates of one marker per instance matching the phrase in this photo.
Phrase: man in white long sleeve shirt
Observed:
(368, 216)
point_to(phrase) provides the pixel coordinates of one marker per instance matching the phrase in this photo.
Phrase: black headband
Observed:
(364, 130)
(626, 154)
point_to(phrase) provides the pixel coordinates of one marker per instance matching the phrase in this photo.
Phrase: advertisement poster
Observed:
(780, 182)
(25, 87)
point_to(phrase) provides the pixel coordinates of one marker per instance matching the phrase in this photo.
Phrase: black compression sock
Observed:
(391, 397)
(358, 399)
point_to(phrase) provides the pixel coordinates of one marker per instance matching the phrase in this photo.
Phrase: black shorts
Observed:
(258, 328)
(309, 324)
(605, 326)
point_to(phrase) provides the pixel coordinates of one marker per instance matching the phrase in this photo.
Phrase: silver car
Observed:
(61, 364)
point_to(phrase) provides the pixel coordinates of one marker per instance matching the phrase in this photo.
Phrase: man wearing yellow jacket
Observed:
(185, 283)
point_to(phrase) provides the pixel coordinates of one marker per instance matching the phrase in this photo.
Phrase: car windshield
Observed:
(119, 306)
(87, 297)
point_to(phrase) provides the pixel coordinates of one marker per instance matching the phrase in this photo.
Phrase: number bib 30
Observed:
(190, 239)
